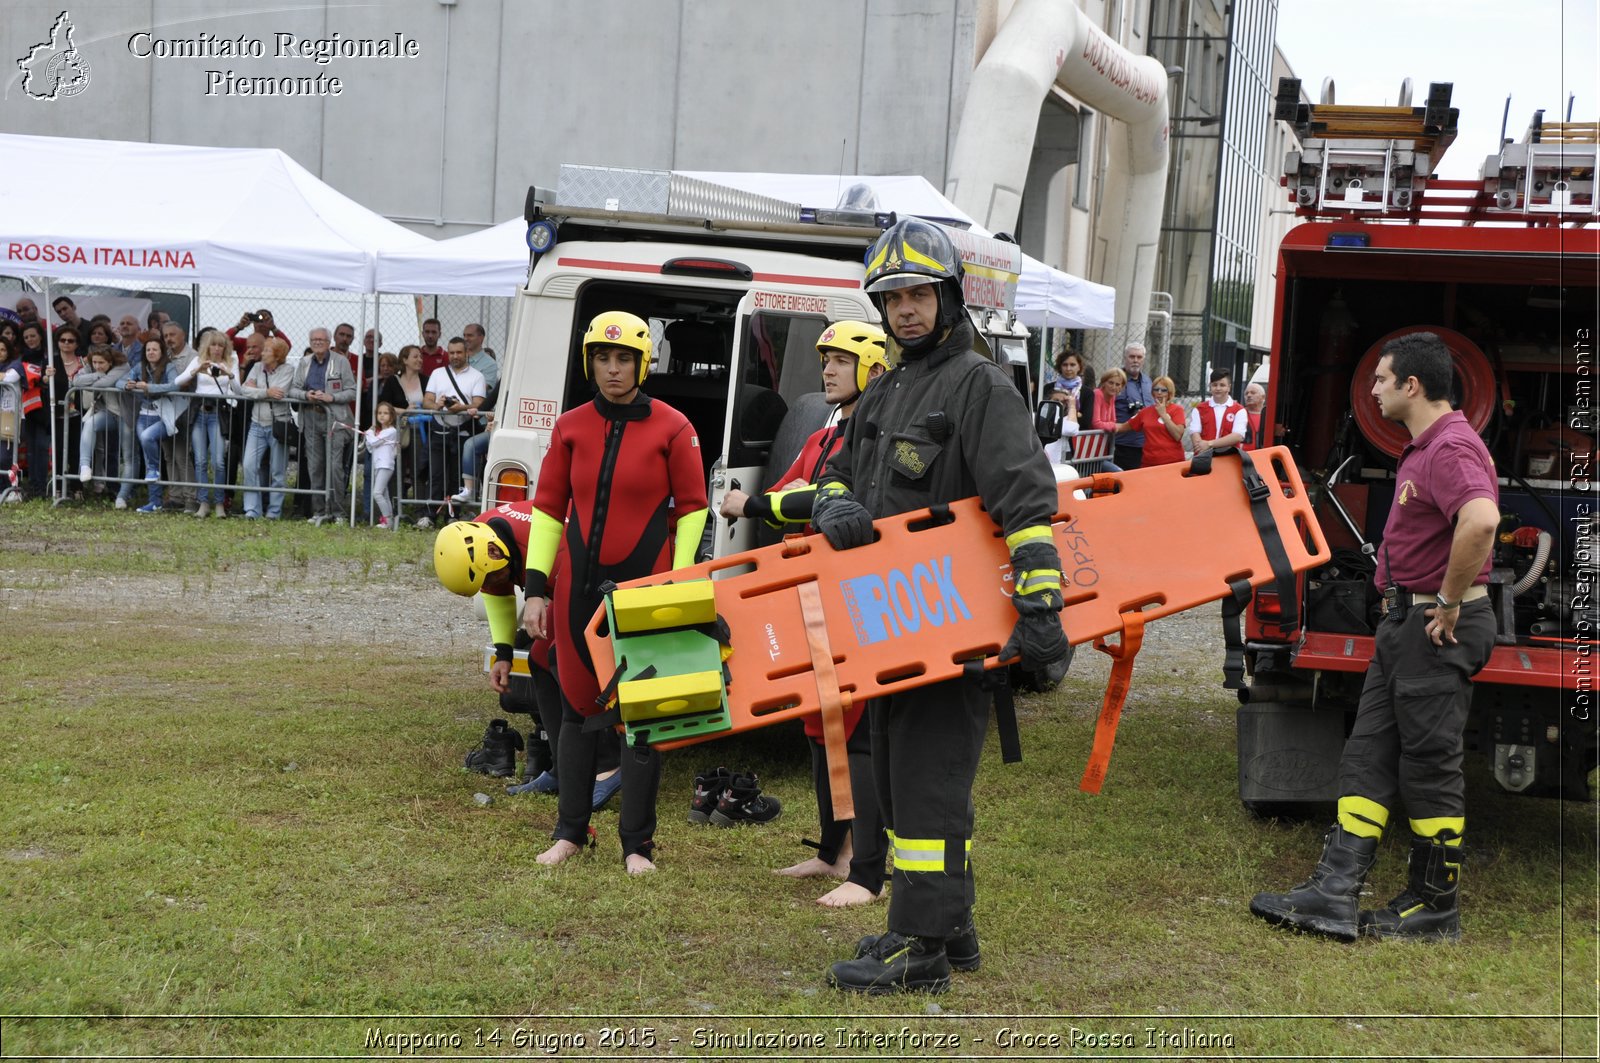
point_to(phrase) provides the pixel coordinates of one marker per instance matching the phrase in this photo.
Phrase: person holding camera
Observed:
(1135, 395)
(1161, 424)
(258, 322)
(215, 377)
(456, 392)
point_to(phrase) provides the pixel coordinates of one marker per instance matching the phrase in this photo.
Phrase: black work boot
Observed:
(895, 964)
(961, 949)
(497, 755)
(1426, 908)
(708, 787)
(743, 802)
(1326, 902)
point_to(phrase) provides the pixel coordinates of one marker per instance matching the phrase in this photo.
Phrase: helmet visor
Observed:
(900, 280)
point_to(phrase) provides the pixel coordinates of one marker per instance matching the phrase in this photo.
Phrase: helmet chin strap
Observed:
(920, 346)
(949, 313)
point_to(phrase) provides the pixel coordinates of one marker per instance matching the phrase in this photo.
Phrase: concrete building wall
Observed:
(501, 92)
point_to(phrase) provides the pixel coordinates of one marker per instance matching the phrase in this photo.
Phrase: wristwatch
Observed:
(1445, 603)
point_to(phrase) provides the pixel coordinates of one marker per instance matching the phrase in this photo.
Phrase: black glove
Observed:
(840, 518)
(1038, 639)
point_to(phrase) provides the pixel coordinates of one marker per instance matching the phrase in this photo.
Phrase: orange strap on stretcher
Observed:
(833, 702)
(1105, 730)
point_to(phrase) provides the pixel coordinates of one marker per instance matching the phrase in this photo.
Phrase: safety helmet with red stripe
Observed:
(618, 328)
(864, 341)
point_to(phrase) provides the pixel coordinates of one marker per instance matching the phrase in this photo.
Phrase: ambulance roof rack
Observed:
(1363, 159)
(636, 196)
(1550, 171)
(664, 201)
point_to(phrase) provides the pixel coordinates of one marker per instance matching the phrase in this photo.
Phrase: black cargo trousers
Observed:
(925, 749)
(1407, 740)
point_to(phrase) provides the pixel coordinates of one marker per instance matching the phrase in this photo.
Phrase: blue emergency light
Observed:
(1349, 240)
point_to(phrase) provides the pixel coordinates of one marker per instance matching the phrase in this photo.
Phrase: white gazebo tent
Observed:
(492, 261)
(126, 211)
(118, 210)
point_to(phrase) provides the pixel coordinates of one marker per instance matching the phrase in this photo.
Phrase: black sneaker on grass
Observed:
(743, 802)
(708, 787)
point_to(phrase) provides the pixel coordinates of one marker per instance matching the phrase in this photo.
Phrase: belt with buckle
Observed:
(1476, 591)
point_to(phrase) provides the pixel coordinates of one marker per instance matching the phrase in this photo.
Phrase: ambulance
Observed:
(737, 287)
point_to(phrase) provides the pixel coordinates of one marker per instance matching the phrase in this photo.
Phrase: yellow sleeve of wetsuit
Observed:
(686, 539)
(501, 610)
(544, 536)
(792, 507)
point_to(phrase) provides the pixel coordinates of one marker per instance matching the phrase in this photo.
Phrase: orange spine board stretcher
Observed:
(927, 596)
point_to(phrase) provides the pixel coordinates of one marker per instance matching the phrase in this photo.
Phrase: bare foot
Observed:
(558, 853)
(639, 864)
(816, 867)
(847, 895)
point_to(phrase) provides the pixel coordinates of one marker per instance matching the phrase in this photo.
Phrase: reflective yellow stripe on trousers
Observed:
(922, 854)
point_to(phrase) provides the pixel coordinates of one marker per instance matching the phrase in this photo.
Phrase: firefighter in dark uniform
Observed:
(946, 424)
(1437, 632)
(623, 487)
(853, 355)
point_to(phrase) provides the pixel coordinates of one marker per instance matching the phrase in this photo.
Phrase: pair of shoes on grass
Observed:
(723, 798)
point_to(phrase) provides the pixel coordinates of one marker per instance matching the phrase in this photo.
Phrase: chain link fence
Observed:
(1176, 350)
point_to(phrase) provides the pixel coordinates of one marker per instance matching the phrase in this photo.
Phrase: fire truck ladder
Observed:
(1364, 158)
(1550, 171)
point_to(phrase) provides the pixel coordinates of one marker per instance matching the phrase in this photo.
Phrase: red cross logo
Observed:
(613, 332)
(826, 336)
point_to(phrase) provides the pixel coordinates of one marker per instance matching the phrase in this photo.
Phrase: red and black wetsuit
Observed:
(780, 507)
(614, 474)
(628, 482)
(814, 454)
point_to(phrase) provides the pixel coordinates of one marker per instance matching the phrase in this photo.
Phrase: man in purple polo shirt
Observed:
(1437, 632)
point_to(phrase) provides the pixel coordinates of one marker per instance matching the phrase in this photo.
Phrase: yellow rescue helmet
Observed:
(461, 557)
(864, 341)
(618, 328)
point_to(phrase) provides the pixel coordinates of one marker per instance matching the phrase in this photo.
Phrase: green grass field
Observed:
(229, 832)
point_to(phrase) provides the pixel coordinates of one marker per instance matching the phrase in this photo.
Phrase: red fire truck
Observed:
(1505, 270)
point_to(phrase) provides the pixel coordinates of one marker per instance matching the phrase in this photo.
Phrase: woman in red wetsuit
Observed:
(623, 485)
(1162, 424)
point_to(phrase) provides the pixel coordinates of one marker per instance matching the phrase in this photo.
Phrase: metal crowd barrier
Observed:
(113, 432)
(430, 467)
(1089, 452)
(10, 440)
(427, 482)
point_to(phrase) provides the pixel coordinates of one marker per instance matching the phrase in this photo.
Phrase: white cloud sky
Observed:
(1537, 51)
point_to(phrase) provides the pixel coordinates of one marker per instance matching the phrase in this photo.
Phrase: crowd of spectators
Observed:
(236, 422)
(1143, 415)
